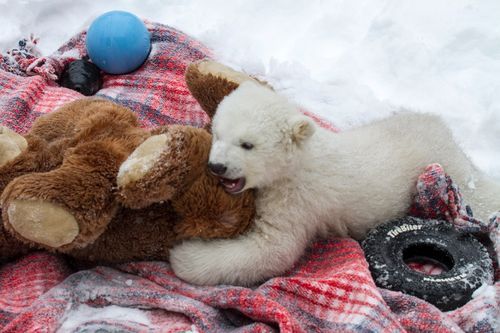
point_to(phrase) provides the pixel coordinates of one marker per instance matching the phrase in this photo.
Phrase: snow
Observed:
(348, 61)
(84, 314)
(486, 290)
(488, 295)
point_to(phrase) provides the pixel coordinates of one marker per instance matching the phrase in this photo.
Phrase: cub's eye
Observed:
(246, 145)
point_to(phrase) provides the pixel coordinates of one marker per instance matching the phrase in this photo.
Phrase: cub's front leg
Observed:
(261, 253)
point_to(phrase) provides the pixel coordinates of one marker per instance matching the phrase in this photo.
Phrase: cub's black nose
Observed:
(217, 168)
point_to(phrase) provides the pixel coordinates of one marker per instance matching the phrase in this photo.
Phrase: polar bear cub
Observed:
(313, 182)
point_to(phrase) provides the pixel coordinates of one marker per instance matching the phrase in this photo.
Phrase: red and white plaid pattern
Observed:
(329, 290)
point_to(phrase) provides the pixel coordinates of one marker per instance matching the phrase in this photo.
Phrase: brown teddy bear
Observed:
(89, 182)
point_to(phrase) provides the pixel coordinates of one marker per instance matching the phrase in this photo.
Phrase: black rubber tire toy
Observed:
(465, 260)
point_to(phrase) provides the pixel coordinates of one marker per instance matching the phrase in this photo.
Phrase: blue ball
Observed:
(118, 42)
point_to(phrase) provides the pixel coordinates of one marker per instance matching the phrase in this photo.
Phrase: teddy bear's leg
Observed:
(67, 207)
(164, 165)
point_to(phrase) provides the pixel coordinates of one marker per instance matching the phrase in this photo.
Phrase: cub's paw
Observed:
(218, 261)
(11, 145)
(191, 262)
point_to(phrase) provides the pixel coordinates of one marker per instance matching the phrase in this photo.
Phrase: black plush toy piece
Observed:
(82, 76)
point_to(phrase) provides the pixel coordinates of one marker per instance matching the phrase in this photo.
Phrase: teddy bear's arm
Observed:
(52, 134)
(163, 166)
(21, 155)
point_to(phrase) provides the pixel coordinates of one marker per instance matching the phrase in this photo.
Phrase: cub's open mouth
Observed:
(232, 185)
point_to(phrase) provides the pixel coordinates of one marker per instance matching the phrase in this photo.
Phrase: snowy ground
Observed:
(350, 61)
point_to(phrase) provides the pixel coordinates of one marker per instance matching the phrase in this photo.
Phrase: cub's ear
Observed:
(302, 129)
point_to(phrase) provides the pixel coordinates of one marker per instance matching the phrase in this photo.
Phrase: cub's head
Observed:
(257, 138)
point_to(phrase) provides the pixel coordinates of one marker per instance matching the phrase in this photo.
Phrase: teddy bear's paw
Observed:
(142, 160)
(43, 223)
(163, 166)
(141, 177)
(11, 145)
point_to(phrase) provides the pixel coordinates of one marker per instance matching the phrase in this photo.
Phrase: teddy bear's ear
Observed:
(209, 82)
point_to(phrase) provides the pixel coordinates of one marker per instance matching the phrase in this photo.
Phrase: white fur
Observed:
(312, 182)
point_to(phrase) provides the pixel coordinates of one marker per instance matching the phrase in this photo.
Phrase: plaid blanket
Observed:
(329, 290)
(156, 92)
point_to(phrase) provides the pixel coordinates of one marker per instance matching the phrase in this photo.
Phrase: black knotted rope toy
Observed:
(83, 76)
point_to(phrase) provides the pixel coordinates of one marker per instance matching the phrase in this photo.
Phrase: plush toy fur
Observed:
(89, 182)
